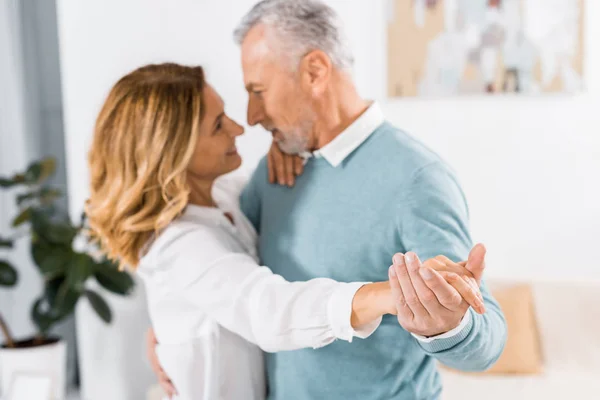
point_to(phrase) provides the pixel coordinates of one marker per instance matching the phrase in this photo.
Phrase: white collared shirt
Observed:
(336, 151)
(209, 300)
(351, 138)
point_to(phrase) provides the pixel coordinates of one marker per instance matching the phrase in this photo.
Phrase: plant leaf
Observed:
(25, 196)
(54, 263)
(6, 183)
(39, 171)
(14, 181)
(113, 280)
(23, 217)
(45, 195)
(8, 275)
(48, 195)
(18, 179)
(62, 300)
(51, 289)
(33, 173)
(51, 230)
(41, 318)
(99, 305)
(40, 249)
(79, 269)
(60, 232)
(39, 220)
(48, 166)
(45, 313)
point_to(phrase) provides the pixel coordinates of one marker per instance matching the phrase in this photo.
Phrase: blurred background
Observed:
(529, 164)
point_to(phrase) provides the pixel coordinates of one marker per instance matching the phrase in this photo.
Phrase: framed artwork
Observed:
(457, 47)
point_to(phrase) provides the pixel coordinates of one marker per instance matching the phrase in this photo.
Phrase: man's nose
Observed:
(255, 111)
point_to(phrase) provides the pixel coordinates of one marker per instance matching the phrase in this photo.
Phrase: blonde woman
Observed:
(161, 141)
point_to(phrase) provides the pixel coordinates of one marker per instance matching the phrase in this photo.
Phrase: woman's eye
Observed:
(218, 125)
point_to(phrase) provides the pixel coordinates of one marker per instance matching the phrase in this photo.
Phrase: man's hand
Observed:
(163, 379)
(432, 298)
(283, 168)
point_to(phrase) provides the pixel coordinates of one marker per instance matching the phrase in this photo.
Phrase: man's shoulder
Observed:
(257, 179)
(261, 172)
(398, 152)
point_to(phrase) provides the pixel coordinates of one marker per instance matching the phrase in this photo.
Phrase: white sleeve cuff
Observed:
(340, 313)
(463, 323)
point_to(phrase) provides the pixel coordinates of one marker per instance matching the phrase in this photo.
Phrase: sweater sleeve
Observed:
(434, 221)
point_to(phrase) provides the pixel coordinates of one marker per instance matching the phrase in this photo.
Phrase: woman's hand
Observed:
(457, 275)
(283, 168)
(163, 379)
(373, 300)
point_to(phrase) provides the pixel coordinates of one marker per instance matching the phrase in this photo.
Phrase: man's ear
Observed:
(315, 69)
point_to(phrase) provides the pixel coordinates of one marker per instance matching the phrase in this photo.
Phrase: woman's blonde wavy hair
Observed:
(144, 139)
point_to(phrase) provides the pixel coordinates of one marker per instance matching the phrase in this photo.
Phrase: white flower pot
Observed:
(112, 357)
(48, 360)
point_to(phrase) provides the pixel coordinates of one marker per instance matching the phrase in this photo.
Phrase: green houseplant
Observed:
(63, 255)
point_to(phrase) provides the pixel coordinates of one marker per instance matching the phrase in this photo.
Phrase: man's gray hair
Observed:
(299, 26)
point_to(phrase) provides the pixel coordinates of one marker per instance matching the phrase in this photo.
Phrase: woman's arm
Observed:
(261, 306)
(370, 302)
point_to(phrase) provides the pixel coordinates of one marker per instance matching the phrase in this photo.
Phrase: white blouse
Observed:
(211, 303)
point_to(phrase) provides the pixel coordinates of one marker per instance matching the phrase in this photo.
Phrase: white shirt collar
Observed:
(211, 215)
(336, 151)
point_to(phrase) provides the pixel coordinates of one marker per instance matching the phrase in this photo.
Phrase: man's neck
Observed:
(339, 108)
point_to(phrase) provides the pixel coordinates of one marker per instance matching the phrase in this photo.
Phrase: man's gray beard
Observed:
(296, 141)
(293, 145)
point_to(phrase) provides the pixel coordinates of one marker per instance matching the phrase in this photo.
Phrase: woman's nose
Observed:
(236, 129)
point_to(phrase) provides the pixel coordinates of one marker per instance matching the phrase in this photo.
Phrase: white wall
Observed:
(529, 166)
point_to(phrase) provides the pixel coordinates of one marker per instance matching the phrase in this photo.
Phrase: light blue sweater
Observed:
(390, 195)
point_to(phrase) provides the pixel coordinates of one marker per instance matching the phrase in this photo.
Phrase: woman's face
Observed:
(215, 152)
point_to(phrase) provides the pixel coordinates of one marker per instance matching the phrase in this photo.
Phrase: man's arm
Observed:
(434, 220)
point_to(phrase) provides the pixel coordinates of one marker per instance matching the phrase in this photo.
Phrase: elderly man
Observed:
(367, 191)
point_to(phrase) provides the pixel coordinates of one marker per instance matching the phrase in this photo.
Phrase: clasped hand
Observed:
(433, 297)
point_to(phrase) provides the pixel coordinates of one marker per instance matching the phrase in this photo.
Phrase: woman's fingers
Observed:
(298, 165)
(443, 263)
(446, 295)
(163, 379)
(271, 167)
(467, 292)
(290, 175)
(278, 164)
(283, 168)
